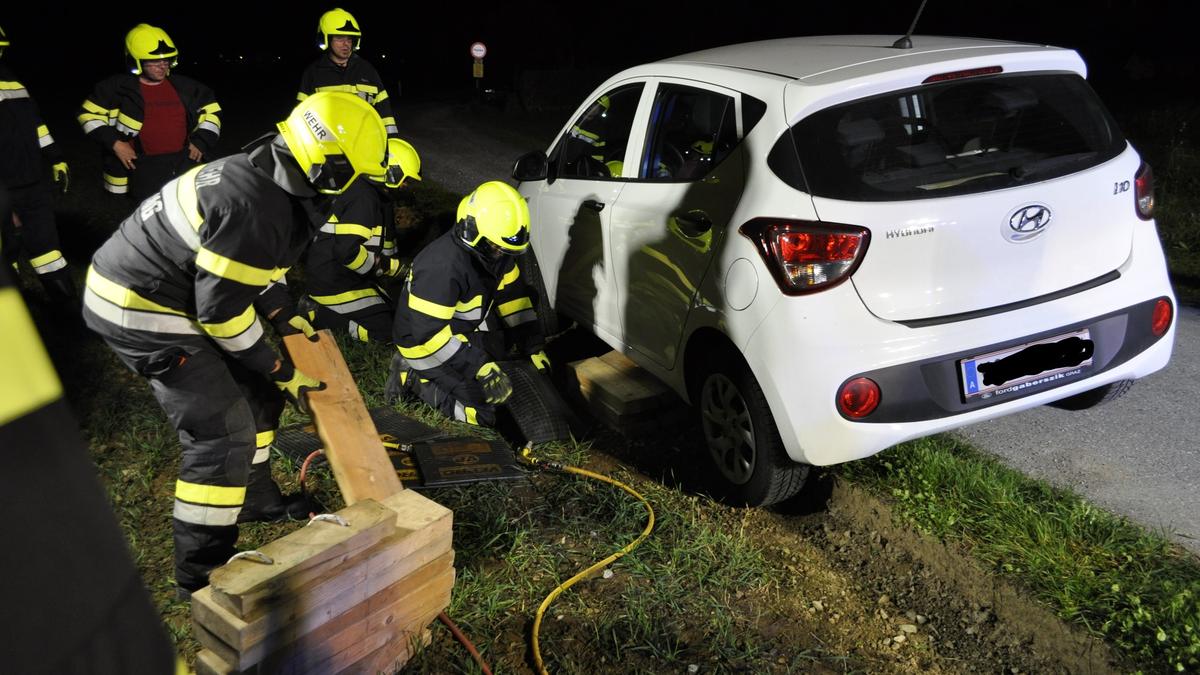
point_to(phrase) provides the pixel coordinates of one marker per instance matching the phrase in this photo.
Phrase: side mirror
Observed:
(530, 167)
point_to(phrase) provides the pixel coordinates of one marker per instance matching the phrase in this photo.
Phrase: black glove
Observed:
(293, 324)
(496, 385)
(295, 385)
(62, 177)
(387, 266)
(540, 360)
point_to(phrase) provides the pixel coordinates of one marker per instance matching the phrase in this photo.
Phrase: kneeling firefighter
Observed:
(464, 304)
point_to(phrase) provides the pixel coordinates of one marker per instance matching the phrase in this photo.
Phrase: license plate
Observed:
(1033, 365)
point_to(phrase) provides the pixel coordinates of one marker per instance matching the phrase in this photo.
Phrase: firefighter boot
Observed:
(266, 503)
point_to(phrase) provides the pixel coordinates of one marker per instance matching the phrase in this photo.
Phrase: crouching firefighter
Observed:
(177, 293)
(464, 305)
(354, 254)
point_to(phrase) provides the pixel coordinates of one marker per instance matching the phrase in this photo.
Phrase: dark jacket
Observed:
(448, 295)
(202, 254)
(26, 147)
(115, 112)
(357, 77)
(344, 254)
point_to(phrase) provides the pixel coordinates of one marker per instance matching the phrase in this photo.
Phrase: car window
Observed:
(691, 131)
(594, 146)
(958, 137)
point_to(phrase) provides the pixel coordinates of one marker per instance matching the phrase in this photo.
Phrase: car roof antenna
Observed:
(906, 41)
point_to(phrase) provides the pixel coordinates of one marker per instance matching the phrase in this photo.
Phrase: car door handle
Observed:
(594, 205)
(693, 223)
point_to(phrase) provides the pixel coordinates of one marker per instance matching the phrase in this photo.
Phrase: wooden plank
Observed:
(357, 456)
(619, 383)
(208, 663)
(220, 650)
(391, 657)
(243, 586)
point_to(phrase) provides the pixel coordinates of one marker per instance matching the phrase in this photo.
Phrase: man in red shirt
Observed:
(151, 125)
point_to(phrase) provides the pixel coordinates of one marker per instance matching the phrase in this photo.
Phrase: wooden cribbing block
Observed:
(208, 663)
(359, 461)
(614, 381)
(384, 577)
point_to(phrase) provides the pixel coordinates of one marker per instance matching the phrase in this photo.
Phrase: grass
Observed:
(1131, 587)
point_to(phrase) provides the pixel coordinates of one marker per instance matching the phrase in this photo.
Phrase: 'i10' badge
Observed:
(1026, 223)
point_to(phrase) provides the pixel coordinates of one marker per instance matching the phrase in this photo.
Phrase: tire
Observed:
(749, 464)
(1094, 397)
(547, 317)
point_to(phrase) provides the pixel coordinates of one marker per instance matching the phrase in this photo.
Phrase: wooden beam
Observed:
(359, 461)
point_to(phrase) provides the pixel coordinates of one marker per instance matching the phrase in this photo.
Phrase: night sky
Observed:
(1137, 51)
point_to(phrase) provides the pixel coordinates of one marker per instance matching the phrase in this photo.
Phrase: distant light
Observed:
(241, 58)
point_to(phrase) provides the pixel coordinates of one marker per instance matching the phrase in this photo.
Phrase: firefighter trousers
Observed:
(225, 416)
(367, 319)
(37, 238)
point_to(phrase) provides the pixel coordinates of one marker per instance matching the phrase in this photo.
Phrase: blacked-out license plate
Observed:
(1028, 366)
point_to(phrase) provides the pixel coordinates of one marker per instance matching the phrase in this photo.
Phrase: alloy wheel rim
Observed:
(728, 429)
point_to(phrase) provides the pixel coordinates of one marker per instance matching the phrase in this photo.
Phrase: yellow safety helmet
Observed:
(337, 21)
(3, 41)
(402, 163)
(497, 213)
(148, 43)
(335, 137)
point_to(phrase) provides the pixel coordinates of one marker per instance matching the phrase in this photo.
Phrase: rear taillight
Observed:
(1160, 320)
(806, 257)
(1143, 191)
(960, 74)
(858, 398)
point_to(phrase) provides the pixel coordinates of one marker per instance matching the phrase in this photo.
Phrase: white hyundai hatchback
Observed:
(830, 245)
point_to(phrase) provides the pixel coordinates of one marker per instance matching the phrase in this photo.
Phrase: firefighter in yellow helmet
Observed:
(353, 257)
(464, 305)
(151, 124)
(179, 293)
(29, 161)
(342, 68)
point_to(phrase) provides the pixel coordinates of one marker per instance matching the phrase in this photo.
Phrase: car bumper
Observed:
(801, 363)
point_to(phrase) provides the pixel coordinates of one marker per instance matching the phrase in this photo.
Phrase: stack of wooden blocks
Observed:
(623, 396)
(337, 598)
(352, 594)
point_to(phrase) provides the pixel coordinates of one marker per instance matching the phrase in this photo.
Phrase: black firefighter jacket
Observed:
(26, 147)
(357, 77)
(114, 112)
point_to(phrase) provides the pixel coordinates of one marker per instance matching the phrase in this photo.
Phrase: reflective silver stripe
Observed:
(116, 189)
(460, 411)
(43, 141)
(244, 340)
(175, 216)
(198, 514)
(437, 358)
(391, 129)
(209, 126)
(523, 316)
(92, 125)
(261, 455)
(12, 94)
(355, 305)
(151, 322)
(470, 315)
(126, 129)
(54, 265)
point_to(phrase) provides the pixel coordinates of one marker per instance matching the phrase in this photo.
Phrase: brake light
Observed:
(858, 398)
(805, 256)
(1143, 192)
(960, 74)
(1160, 320)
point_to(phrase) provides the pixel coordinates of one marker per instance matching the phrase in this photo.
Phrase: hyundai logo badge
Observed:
(1026, 223)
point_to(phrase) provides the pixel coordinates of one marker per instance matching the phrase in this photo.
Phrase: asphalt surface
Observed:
(1138, 456)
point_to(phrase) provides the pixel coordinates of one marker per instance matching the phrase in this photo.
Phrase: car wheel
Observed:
(1094, 397)
(547, 317)
(750, 465)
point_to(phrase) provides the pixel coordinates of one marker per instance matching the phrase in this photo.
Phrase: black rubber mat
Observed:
(538, 409)
(454, 461)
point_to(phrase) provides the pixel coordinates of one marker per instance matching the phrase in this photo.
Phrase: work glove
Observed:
(387, 266)
(293, 325)
(540, 360)
(295, 385)
(496, 385)
(62, 176)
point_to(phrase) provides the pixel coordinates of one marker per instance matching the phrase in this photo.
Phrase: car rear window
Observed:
(958, 137)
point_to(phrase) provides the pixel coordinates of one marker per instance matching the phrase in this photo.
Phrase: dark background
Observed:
(1140, 53)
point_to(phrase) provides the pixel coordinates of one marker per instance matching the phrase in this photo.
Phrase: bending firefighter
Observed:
(464, 304)
(29, 158)
(151, 125)
(354, 253)
(177, 293)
